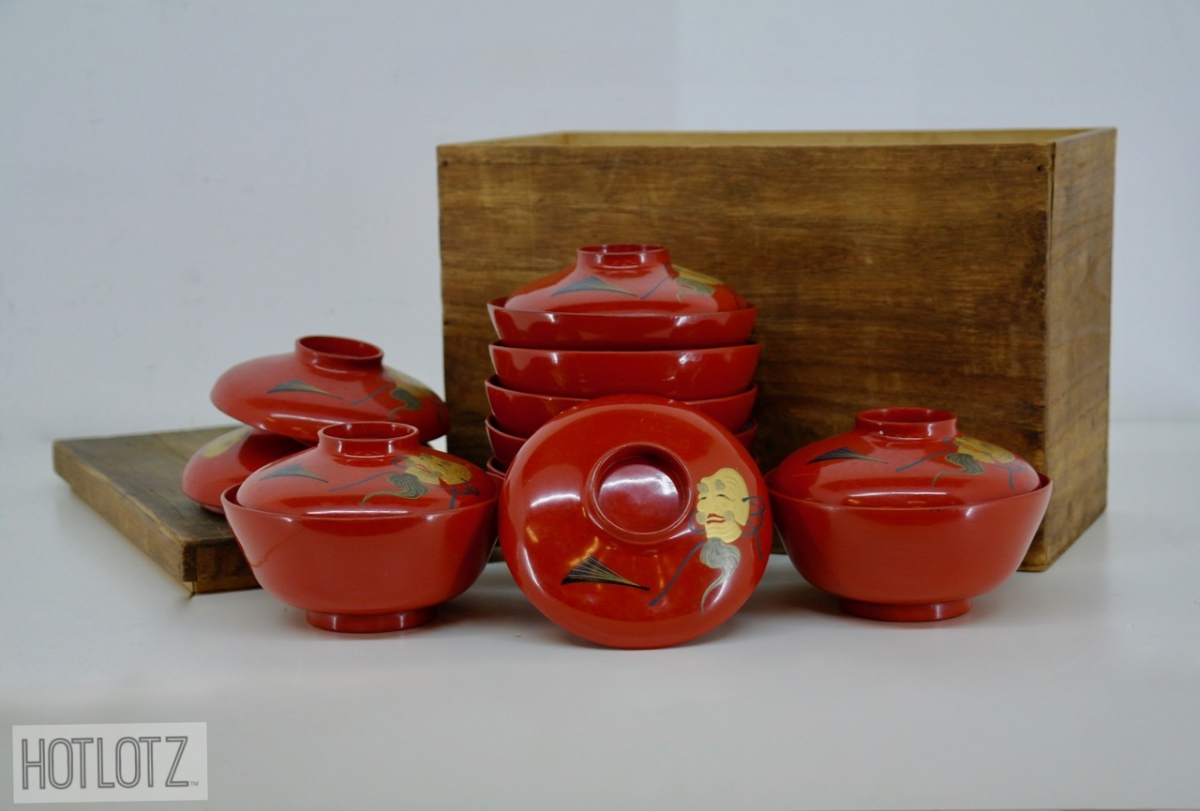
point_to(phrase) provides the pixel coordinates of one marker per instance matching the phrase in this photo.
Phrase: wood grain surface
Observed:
(133, 481)
(963, 270)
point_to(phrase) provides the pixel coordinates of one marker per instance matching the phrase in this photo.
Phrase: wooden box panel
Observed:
(963, 270)
(134, 482)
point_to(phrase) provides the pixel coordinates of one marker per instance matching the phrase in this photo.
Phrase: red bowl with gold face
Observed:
(679, 374)
(620, 330)
(521, 413)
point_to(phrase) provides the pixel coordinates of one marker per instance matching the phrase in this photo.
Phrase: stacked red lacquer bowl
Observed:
(623, 319)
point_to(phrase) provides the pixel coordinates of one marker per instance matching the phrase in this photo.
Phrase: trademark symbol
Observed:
(194, 782)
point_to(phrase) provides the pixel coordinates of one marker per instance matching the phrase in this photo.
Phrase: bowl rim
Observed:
(749, 311)
(745, 347)
(229, 499)
(493, 381)
(492, 426)
(1045, 483)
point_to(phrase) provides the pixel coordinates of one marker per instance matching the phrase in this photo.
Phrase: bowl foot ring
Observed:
(371, 623)
(929, 612)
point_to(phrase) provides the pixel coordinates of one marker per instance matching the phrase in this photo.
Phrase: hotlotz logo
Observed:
(58, 767)
(110, 762)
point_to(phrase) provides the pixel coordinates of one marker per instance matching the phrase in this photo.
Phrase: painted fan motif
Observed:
(590, 570)
(293, 471)
(843, 453)
(300, 386)
(403, 389)
(592, 283)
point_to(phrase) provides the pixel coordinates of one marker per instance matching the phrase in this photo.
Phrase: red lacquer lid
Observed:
(327, 380)
(625, 278)
(897, 457)
(635, 522)
(366, 468)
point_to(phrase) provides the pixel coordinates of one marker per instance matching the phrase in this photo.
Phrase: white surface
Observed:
(1074, 688)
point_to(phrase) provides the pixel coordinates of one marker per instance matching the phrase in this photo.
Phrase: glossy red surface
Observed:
(627, 278)
(367, 468)
(327, 380)
(229, 459)
(903, 517)
(497, 469)
(634, 522)
(521, 413)
(681, 374)
(909, 564)
(619, 330)
(899, 457)
(505, 446)
(368, 573)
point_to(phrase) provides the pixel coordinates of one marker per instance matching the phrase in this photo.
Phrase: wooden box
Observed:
(963, 270)
(134, 482)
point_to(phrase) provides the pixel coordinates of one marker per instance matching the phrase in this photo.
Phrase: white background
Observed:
(184, 185)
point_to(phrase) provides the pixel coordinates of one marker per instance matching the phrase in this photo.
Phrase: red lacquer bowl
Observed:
(626, 278)
(609, 330)
(635, 522)
(229, 459)
(905, 518)
(367, 573)
(909, 564)
(680, 374)
(521, 413)
(327, 380)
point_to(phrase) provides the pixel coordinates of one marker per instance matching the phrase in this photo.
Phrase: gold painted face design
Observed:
(723, 505)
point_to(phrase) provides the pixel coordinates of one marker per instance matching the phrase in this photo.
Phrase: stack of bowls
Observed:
(284, 400)
(622, 320)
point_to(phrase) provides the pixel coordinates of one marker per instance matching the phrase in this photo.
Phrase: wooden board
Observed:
(963, 270)
(133, 481)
